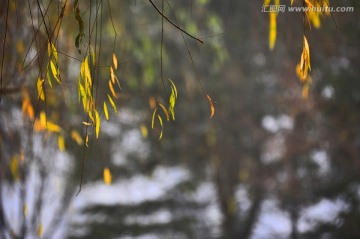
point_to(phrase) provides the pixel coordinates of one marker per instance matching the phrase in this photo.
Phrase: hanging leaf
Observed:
(53, 52)
(54, 71)
(112, 103)
(86, 123)
(111, 87)
(87, 141)
(165, 111)
(97, 124)
(272, 30)
(76, 137)
(172, 100)
(43, 120)
(48, 76)
(212, 108)
(304, 60)
(161, 125)
(53, 127)
(106, 111)
(115, 62)
(173, 87)
(144, 131)
(112, 75)
(40, 88)
(61, 143)
(153, 118)
(107, 176)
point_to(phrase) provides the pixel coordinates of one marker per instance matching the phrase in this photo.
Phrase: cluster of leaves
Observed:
(311, 17)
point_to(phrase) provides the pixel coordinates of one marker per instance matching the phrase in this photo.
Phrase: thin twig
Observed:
(175, 25)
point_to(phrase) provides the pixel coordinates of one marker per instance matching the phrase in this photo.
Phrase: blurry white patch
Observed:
(272, 124)
(324, 211)
(135, 190)
(273, 222)
(328, 92)
(321, 159)
(162, 216)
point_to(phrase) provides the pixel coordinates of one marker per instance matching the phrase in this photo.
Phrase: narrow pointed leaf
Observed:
(107, 176)
(115, 62)
(153, 118)
(40, 88)
(106, 111)
(97, 124)
(161, 125)
(54, 71)
(212, 108)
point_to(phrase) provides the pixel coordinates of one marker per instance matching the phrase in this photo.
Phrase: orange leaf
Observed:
(212, 108)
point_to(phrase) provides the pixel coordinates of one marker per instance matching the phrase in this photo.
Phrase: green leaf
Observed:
(172, 100)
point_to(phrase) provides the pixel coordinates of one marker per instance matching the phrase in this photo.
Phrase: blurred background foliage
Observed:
(269, 164)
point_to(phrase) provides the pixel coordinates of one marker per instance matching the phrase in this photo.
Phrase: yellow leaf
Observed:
(162, 126)
(97, 124)
(40, 230)
(144, 131)
(266, 2)
(106, 111)
(115, 62)
(165, 111)
(87, 141)
(76, 137)
(43, 120)
(40, 88)
(153, 118)
(54, 71)
(14, 167)
(61, 143)
(48, 77)
(112, 103)
(112, 75)
(52, 51)
(107, 176)
(172, 100)
(91, 117)
(86, 123)
(272, 30)
(307, 50)
(53, 127)
(85, 72)
(111, 87)
(212, 108)
(304, 60)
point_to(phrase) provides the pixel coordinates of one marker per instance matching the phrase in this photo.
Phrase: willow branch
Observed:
(175, 25)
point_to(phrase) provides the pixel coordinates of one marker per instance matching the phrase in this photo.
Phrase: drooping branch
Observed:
(175, 25)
